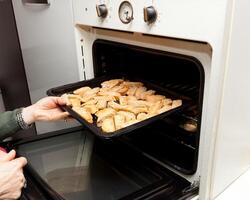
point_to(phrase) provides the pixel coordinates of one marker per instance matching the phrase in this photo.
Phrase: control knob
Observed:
(150, 14)
(102, 10)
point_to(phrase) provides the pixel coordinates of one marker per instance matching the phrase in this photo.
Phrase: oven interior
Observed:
(172, 141)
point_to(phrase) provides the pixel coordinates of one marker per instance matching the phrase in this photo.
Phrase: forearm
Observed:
(8, 123)
(47, 109)
(29, 115)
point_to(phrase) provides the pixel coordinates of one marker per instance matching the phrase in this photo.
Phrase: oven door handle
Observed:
(36, 2)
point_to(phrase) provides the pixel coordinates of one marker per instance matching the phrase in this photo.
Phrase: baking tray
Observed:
(96, 82)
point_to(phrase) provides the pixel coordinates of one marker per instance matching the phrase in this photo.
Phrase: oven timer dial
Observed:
(126, 12)
(102, 10)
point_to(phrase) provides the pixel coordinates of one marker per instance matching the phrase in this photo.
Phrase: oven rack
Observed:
(191, 91)
(133, 142)
(179, 134)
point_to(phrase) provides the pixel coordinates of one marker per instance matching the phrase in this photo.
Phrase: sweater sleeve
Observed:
(8, 124)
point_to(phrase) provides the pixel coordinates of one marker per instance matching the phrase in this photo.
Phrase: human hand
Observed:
(46, 109)
(11, 175)
(5, 157)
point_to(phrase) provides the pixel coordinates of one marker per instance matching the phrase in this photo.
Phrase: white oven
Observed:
(205, 30)
(194, 48)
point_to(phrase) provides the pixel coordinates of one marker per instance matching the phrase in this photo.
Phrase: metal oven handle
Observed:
(36, 2)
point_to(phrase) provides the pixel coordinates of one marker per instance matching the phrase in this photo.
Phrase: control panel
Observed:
(125, 12)
(190, 19)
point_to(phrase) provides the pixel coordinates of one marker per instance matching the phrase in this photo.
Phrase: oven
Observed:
(171, 44)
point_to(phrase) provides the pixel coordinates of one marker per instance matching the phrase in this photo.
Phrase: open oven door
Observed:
(72, 164)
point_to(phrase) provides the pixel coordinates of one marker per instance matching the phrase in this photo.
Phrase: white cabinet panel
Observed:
(47, 40)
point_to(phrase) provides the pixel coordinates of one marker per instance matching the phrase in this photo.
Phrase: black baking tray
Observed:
(96, 82)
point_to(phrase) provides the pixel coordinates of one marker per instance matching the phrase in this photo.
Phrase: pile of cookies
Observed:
(118, 103)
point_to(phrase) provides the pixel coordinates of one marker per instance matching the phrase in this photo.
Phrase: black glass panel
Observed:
(78, 167)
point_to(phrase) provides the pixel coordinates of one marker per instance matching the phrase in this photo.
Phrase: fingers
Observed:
(11, 155)
(51, 101)
(22, 180)
(7, 156)
(2, 155)
(61, 115)
(3, 150)
(20, 162)
(12, 178)
(48, 109)
(59, 101)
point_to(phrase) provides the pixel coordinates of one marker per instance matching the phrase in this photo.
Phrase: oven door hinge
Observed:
(193, 187)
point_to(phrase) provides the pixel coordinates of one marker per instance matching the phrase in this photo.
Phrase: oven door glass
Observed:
(75, 165)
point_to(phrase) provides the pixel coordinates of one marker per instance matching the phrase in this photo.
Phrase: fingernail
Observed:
(12, 151)
(3, 150)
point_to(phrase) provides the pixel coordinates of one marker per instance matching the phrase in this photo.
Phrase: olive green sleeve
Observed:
(8, 124)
